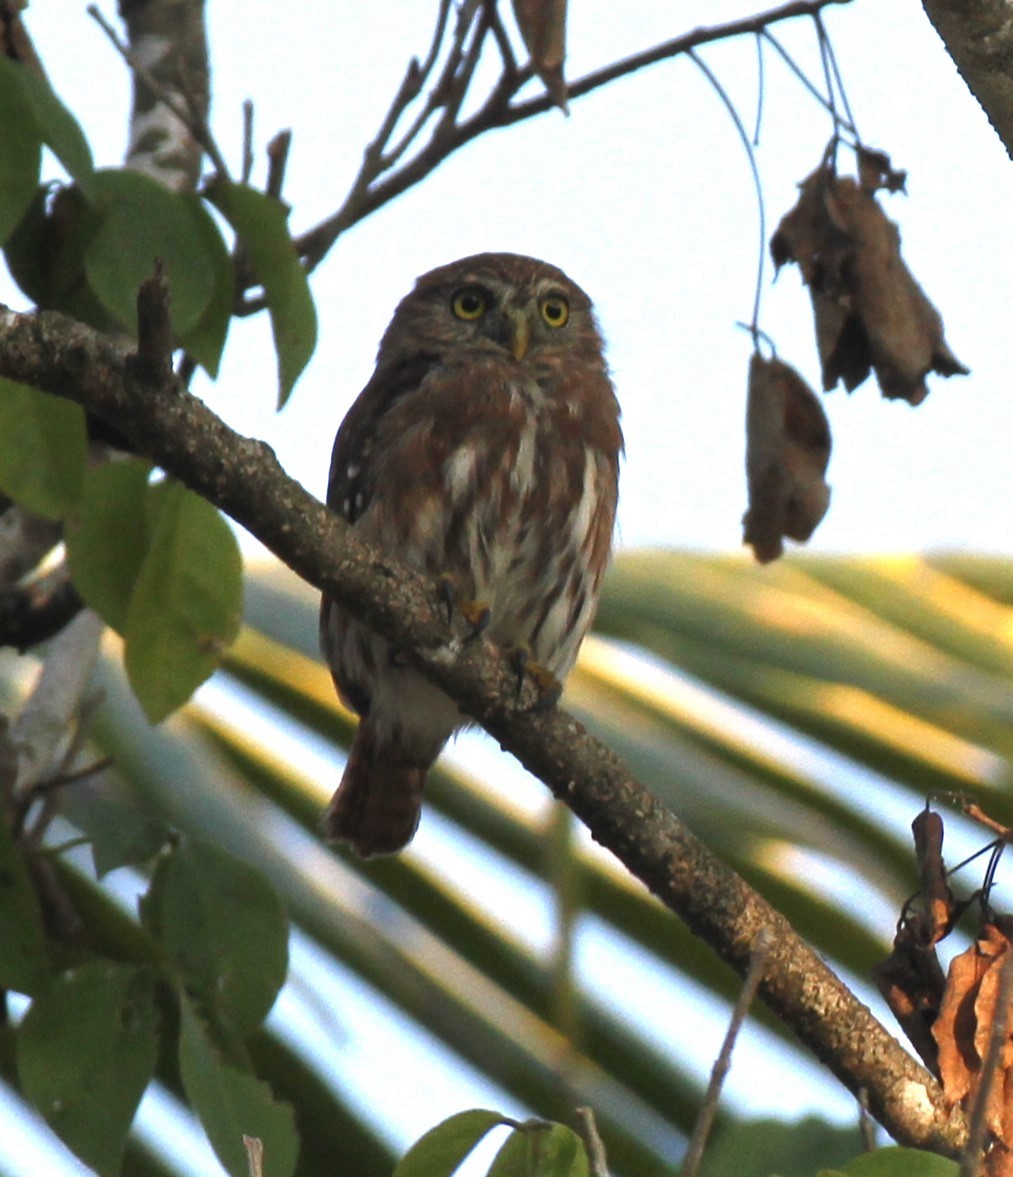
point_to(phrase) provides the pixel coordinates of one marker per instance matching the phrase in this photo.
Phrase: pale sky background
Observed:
(644, 197)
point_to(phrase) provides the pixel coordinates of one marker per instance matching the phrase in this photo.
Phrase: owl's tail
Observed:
(376, 808)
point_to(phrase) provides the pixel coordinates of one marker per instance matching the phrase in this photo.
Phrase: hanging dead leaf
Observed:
(911, 981)
(875, 171)
(904, 329)
(787, 451)
(911, 978)
(869, 312)
(964, 1027)
(543, 26)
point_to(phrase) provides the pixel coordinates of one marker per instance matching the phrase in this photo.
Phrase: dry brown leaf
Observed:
(787, 451)
(912, 983)
(904, 329)
(543, 26)
(875, 171)
(964, 1026)
(869, 311)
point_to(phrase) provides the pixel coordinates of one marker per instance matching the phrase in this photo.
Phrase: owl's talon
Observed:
(477, 615)
(548, 686)
(448, 595)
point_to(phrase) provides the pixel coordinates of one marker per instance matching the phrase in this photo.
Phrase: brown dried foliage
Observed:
(952, 1021)
(787, 451)
(963, 1030)
(870, 313)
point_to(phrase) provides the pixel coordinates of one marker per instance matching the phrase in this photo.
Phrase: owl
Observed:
(484, 453)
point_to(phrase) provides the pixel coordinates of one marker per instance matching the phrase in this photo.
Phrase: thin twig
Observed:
(970, 1161)
(499, 110)
(762, 945)
(722, 93)
(247, 168)
(760, 89)
(797, 70)
(830, 58)
(866, 1124)
(196, 125)
(254, 1155)
(594, 1146)
(502, 40)
(277, 161)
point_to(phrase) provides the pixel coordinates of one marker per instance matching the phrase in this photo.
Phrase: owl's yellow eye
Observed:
(469, 304)
(555, 310)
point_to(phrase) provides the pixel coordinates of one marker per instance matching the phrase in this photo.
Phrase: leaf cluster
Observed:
(84, 248)
(206, 965)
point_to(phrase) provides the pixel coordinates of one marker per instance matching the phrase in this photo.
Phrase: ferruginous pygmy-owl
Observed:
(484, 452)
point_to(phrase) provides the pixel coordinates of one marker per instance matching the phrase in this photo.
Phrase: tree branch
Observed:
(243, 477)
(369, 191)
(978, 35)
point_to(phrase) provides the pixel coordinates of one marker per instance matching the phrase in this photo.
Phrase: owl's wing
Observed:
(349, 485)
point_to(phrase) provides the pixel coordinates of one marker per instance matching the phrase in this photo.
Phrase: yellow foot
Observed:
(475, 613)
(548, 686)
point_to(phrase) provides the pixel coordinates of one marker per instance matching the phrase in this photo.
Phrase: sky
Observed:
(645, 197)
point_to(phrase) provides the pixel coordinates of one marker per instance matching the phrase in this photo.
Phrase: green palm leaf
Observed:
(743, 697)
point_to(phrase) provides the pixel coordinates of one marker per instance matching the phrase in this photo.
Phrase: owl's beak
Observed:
(520, 333)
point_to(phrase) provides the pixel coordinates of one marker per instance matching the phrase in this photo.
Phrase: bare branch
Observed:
(242, 476)
(709, 1107)
(185, 98)
(369, 191)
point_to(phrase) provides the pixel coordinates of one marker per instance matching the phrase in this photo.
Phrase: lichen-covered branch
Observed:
(243, 477)
(168, 121)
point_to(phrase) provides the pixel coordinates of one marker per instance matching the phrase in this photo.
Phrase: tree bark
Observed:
(978, 35)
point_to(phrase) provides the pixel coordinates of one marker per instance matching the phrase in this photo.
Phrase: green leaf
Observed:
(143, 221)
(43, 449)
(896, 1162)
(45, 254)
(107, 537)
(539, 1149)
(122, 831)
(757, 1148)
(24, 960)
(232, 1104)
(186, 605)
(442, 1149)
(223, 929)
(59, 130)
(205, 340)
(20, 148)
(262, 227)
(86, 1052)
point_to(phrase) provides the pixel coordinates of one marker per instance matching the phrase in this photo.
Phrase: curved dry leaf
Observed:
(869, 312)
(787, 451)
(904, 329)
(964, 1026)
(543, 26)
(875, 171)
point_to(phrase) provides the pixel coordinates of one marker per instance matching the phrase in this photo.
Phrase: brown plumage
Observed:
(485, 449)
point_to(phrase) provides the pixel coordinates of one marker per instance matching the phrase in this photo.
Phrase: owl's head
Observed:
(499, 304)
